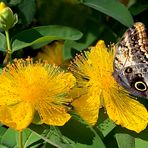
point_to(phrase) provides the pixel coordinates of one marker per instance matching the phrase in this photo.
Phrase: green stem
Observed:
(20, 140)
(9, 50)
(8, 41)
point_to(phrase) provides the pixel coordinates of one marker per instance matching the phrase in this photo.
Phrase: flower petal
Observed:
(53, 114)
(18, 116)
(88, 107)
(8, 93)
(52, 109)
(126, 111)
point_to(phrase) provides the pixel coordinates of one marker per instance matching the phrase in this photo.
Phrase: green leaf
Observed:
(141, 140)
(138, 8)
(140, 143)
(112, 8)
(105, 125)
(9, 138)
(43, 34)
(45, 132)
(81, 135)
(30, 139)
(27, 11)
(14, 2)
(41, 44)
(1, 70)
(90, 36)
(67, 49)
(125, 140)
(3, 146)
(73, 135)
(2, 131)
(2, 42)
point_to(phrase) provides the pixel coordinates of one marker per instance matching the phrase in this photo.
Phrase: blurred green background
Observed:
(96, 19)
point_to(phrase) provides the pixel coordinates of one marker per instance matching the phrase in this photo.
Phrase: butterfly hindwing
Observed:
(131, 60)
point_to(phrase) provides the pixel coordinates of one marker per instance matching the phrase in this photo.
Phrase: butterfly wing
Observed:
(131, 60)
(133, 47)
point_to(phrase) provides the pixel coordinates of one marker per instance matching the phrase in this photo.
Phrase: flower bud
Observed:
(7, 18)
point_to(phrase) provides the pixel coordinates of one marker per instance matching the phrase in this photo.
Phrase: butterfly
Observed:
(131, 61)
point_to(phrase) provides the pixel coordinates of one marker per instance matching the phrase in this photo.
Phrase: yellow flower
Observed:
(52, 53)
(2, 6)
(96, 87)
(27, 88)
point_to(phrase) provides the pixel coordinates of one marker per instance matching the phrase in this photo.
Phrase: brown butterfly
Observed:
(131, 61)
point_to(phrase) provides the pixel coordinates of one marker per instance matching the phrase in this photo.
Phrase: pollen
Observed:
(41, 87)
(96, 87)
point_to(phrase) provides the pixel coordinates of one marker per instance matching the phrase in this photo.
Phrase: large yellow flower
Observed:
(27, 88)
(96, 87)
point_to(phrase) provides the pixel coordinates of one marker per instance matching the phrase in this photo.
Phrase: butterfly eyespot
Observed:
(140, 86)
(128, 70)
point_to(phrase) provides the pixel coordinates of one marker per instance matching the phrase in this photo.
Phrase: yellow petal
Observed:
(126, 111)
(2, 6)
(52, 109)
(53, 114)
(88, 108)
(18, 116)
(63, 82)
(8, 93)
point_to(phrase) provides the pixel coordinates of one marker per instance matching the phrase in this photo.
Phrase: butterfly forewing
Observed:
(132, 48)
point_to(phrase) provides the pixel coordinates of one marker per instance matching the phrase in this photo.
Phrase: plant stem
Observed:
(8, 41)
(20, 140)
(9, 50)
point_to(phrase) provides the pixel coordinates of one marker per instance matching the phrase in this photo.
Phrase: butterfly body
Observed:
(131, 61)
